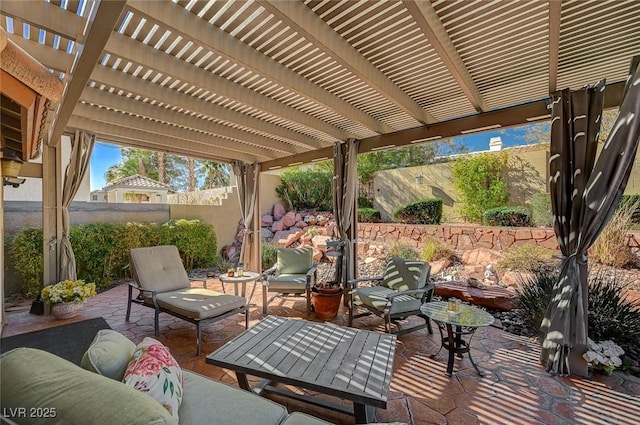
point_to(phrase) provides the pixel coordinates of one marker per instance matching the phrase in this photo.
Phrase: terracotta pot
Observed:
(326, 302)
(66, 310)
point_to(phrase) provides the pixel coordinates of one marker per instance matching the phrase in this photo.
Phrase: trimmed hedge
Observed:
(102, 249)
(368, 215)
(508, 217)
(425, 211)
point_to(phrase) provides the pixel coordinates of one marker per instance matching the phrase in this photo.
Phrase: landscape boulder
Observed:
(495, 297)
(278, 211)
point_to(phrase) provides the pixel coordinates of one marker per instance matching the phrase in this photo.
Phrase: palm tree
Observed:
(191, 164)
(162, 177)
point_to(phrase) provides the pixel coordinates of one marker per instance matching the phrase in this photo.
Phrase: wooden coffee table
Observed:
(343, 362)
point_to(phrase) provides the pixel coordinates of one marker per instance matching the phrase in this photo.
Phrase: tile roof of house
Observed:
(137, 181)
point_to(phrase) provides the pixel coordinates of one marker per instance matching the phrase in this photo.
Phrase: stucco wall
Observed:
(268, 195)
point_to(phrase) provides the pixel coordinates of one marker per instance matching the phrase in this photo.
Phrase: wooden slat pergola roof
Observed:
(279, 82)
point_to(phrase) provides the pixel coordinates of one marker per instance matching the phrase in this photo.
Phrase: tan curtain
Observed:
(345, 185)
(81, 148)
(247, 175)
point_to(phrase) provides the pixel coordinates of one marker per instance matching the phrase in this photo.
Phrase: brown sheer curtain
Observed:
(81, 149)
(247, 175)
(584, 195)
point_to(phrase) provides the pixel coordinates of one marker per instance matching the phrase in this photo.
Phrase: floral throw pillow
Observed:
(154, 371)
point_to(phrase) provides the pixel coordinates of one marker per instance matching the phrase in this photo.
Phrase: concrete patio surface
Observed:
(515, 390)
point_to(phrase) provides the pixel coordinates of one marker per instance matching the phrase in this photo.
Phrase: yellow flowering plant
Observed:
(68, 291)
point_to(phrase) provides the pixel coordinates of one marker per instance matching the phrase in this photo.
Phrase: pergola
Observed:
(265, 84)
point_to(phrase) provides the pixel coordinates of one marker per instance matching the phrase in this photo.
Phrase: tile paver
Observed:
(515, 390)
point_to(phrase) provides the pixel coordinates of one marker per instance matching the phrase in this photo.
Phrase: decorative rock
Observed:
(277, 226)
(438, 266)
(370, 260)
(481, 256)
(293, 237)
(289, 219)
(299, 217)
(513, 279)
(320, 242)
(278, 211)
(301, 225)
(266, 220)
(490, 297)
(266, 233)
(280, 237)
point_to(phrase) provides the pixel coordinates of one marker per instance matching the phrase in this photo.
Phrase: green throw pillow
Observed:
(108, 354)
(294, 260)
(403, 275)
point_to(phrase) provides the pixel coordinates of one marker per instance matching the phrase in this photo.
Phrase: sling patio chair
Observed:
(395, 296)
(293, 274)
(163, 285)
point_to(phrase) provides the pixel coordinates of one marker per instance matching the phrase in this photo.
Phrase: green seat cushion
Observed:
(375, 296)
(293, 282)
(32, 378)
(108, 354)
(214, 403)
(294, 260)
(403, 275)
(198, 303)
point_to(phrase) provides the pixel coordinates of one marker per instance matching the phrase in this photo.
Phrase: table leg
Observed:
(235, 288)
(452, 348)
(363, 413)
(243, 382)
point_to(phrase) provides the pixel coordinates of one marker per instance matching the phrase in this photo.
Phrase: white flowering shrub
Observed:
(603, 355)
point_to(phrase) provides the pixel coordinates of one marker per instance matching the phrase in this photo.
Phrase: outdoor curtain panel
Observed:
(247, 175)
(345, 184)
(81, 148)
(584, 195)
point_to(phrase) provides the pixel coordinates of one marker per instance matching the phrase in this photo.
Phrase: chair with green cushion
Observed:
(396, 295)
(293, 274)
(164, 285)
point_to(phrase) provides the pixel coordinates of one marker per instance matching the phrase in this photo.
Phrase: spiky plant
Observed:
(534, 295)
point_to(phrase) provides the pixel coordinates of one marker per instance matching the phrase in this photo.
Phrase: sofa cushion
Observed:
(153, 371)
(159, 268)
(108, 354)
(297, 418)
(198, 303)
(32, 378)
(294, 260)
(214, 403)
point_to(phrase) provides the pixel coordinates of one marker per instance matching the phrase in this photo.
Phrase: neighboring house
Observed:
(98, 196)
(133, 189)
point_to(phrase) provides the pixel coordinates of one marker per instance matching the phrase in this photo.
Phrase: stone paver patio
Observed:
(515, 389)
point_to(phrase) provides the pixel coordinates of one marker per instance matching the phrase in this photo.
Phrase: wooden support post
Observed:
(51, 211)
(257, 237)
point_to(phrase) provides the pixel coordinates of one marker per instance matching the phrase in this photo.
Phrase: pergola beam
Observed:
(147, 89)
(299, 17)
(137, 52)
(149, 140)
(58, 60)
(47, 16)
(104, 21)
(123, 103)
(201, 140)
(427, 19)
(191, 27)
(555, 9)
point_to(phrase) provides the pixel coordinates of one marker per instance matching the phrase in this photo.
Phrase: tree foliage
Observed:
(307, 188)
(478, 179)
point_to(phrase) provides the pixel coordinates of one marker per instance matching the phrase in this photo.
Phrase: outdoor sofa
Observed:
(41, 388)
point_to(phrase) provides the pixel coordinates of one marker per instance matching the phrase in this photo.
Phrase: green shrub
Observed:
(425, 211)
(612, 315)
(403, 250)
(611, 247)
(26, 252)
(98, 256)
(195, 239)
(528, 258)
(478, 179)
(534, 295)
(368, 215)
(269, 255)
(541, 213)
(221, 264)
(507, 216)
(303, 188)
(434, 250)
(365, 201)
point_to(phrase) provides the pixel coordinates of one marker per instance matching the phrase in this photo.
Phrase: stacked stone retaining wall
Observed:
(465, 237)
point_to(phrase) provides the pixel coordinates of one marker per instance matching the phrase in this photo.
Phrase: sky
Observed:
(107, 154)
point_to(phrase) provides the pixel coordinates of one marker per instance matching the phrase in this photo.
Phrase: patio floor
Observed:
(515, 389)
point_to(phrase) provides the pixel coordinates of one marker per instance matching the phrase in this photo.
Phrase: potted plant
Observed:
(67, 297)
(326, 297)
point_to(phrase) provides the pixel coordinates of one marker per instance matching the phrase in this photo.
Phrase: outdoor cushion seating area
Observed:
(53, 390)
(164, 286)
(396, 295)
(293, 274)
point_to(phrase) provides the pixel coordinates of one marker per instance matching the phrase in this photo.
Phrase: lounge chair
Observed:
(293, 274)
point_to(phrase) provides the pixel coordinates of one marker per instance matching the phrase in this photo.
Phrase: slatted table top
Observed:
(344, 362)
